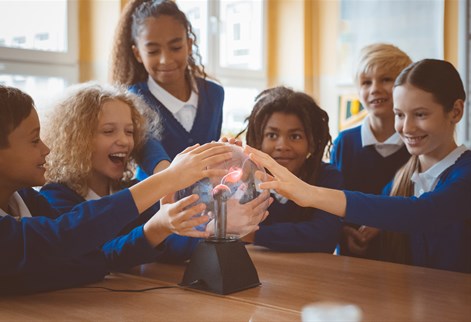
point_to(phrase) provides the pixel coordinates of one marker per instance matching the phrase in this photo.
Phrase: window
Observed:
(38, 47)
(230, 34)
(464, 127)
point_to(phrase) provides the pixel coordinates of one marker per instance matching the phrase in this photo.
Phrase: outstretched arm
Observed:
(287, 184)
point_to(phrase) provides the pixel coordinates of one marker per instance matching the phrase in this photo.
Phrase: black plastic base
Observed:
(221, 267)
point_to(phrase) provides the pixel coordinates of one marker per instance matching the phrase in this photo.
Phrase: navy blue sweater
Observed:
(363, 168)
(291, 228)
(51, 251)
(206, 127)
(438, 222)
(174, 248)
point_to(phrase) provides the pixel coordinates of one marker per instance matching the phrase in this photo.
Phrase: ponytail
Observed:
(395, 247)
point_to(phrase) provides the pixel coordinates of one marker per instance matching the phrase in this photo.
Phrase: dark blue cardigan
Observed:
(363, 168)
(206, 127)
(438, 222)
(51, 251)
(291, 228)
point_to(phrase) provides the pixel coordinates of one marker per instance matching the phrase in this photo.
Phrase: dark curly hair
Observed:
(125, 69)
(314, 119)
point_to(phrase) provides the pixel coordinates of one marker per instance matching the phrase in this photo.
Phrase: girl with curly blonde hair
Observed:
(71, 135)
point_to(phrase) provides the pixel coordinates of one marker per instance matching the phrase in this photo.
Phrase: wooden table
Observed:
(383, 291)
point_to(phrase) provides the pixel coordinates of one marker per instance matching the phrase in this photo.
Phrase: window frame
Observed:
(46, 63)
(464, 61)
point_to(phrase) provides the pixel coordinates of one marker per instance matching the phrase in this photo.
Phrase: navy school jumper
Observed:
(174, 137)
(50, 251)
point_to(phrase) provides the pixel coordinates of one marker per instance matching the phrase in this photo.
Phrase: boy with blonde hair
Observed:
(370, 154)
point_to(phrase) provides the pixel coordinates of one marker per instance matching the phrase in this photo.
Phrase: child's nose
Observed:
(282, 143)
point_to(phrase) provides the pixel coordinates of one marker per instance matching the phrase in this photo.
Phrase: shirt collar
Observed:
(170, 102)
(17, 206)
(368, 138)
(393, 144)
(426, 181)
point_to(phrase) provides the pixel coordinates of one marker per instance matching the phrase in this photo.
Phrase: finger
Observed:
(263, 176)
(214, 173)
(214, 159)
(185, 202)
(211, 148)
(260, 203)
(195, 233)
(276, 185)
(224, 140)
(218, 150)
(190, 148)
(265, 215)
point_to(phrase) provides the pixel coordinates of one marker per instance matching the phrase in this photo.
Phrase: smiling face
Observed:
(424, 126)
(22, 162)
(376, 87)
(163, 48)
(284, 139)
(112, 144)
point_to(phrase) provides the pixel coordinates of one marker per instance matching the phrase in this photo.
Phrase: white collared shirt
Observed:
(426, 181)
(386, 148)
(184, 112)
(17, 206)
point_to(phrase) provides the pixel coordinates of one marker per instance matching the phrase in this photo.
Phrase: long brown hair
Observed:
(442, 80)
(125, 69)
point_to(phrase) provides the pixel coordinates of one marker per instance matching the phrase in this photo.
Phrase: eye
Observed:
(271, 135)
(296, 136)
(366, 82)
(420, 114)
(36, 141)
(153, 52)
(130, 132)
(399, 115)
(176, 48)
(388, 80)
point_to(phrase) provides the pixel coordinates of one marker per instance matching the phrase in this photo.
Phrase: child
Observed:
(432, 191)
(111, 130)
(370, 154)
(154, 55)
(42, 250)
(294, 130)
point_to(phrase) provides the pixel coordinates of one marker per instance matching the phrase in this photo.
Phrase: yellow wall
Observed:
(97, 22)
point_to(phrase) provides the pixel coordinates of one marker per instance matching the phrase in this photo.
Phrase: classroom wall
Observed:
(97, 22)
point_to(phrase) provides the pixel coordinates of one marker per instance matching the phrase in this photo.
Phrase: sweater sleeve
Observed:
(319, 233)
(449, 202)
(61, 197)
(32, 241)
(152, 154)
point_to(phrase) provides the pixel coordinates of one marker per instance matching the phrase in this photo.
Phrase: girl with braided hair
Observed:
(155, 54)
(294, 130)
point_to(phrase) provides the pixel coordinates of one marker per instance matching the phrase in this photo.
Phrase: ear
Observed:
(456, 112)
(136, 53)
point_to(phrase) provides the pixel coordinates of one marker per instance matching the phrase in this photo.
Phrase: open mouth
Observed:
(118, 158)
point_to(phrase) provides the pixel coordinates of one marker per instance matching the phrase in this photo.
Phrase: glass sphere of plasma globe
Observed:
(232, 192)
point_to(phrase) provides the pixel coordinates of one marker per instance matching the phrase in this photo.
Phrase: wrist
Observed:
(155, 234)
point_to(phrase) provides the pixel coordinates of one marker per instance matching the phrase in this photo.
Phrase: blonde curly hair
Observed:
(70, 128)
